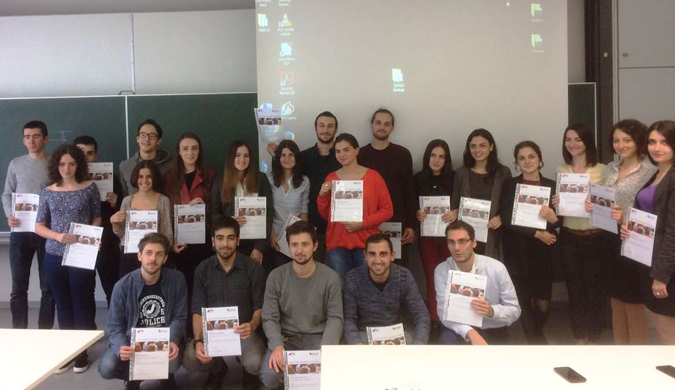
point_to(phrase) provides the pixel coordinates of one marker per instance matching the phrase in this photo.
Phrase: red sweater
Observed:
(377, 208)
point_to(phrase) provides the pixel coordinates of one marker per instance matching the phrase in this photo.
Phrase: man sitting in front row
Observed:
(303, 304)
(499, 308)
(150, 297)
(378, 294)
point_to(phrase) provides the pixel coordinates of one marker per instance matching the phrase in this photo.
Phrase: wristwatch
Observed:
(194, 342)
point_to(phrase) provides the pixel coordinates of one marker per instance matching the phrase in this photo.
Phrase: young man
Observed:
(303, 304)
(149, 297)
(380, 293)
(28, 175)
(394, 163)
(500, 307)
(107, 263)
(228, 278)
(148, 137)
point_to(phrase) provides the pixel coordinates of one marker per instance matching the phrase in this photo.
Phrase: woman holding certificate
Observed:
(71, 198)
(148, 179)
(354, 209)
(527, 250)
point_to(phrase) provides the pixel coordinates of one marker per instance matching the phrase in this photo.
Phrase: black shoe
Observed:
(249, 381)
(81, 363)
(132, 385)
(215, 379)
(168, 384)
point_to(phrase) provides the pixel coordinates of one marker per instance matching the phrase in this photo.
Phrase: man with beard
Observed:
(303, 304)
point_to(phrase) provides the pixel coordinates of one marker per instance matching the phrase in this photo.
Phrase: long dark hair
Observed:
(446, 172)
(231, 177)
(586, 135)
(492, 162)
(179, 169)
(278, 170)
(667, 130)
(82, 171)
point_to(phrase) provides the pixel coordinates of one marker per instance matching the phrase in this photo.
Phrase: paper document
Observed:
(139, 223)
(435, 207)
(393, 230)
(476, 212)
(283, 241)
(83, 253)
(24, 208)
(386, 335)
(639, 246)
(572, 189)
(151, 353)
(268, 121)
(602, 199)
(347, 201)
(303, 370)
(102, 175)
(190, 223)
(527, 205)
(463, 288)
(255, 211)
(219, 336)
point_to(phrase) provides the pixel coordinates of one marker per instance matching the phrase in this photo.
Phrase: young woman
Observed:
(345, 241)
(658, 197)
(291, 192)
(580, 244)
(72, 198)
(527, 251)
(482, 177)
(242, 179)
(148, 179)
(435, 179)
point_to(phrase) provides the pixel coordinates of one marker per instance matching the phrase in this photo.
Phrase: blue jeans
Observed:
(22, 248)
(73, 290)
(112, 367)
(343, 260)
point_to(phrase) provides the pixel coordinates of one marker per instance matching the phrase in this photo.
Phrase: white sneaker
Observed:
(65, 368)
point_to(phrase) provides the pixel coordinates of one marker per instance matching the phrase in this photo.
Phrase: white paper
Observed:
(24, 208)
(269, 125)
(527, 205)
(255, 211)
(386, 335)
(219, 336)
(463, 288)
(102, 175)
(435, 207)
(190, 223)
(572, 189)
(476, 212)
(603, 199)
(83, 253)
(139, 223)
(283, 242)
(639, 246)
(303, 370)
(394, 231)
(347, 201)
(151, 353)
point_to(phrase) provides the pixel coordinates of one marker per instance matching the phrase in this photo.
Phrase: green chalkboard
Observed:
(581, 104)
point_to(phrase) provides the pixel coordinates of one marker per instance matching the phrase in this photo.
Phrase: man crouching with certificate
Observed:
(475, 295)
(150, 297)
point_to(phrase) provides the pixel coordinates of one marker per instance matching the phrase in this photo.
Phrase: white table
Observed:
(493, 367)
(27, 357)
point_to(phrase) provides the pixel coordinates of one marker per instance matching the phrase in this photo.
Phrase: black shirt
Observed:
(151, 307)
(317, 167)
(190, 178)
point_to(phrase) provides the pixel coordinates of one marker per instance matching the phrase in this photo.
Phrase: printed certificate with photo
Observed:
(527, 205)
(139, 223)
(83, 253)
(190, 223)
(303, 370)
(219, 336)
(476, 212)
(572, 189)
(602, 199)
(435, 207)
(394, 231)
(639, 246)
(151, 354)
(386, 335)
(24, 208)
(283, 242)
(268, 121)
(102, 175)
(255, 211)
(464, 287)
(347, 201)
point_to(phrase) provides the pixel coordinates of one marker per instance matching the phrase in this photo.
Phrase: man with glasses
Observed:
(500, 306)
(148, 138)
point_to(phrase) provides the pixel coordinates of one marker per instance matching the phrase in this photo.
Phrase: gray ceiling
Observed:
(69, 7)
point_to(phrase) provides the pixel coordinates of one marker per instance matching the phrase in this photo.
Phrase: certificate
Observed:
(151, 354)
(527, 205)
(219, 336)
(303, 370)
(393, 230)
(386, 335)
(435, 207)
(24, 208)
(603, 199)
(476, 212)
(83, 253)
(347, 201)
(189, 223)
(139, 223)
(463, 288)
(102, 175)
(572, 190)
(255, 211)
(639, 246)
(282, 240)
(269, 125)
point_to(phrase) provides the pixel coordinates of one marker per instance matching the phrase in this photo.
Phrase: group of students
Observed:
(301, 184)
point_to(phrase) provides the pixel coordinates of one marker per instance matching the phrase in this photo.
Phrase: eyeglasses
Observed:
(149, 136)
(461, 242)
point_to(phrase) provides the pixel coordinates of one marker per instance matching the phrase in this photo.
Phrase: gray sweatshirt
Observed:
(24, 176)
(163, 160)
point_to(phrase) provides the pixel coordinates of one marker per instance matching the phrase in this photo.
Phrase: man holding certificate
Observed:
(498, 303)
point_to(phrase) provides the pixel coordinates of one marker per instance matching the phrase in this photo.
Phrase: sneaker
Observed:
(81, 363)
(215, 379)
(65, 368)
(132, 385)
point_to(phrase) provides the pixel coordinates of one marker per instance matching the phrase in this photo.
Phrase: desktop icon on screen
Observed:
(285, 23)
(535, 10)
(286, 79)
(286, 49)
(396, 75)
(537, 42)
(287, 109)
(263, 21)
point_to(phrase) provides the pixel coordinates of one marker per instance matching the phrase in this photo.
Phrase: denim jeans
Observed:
(22, 248)
(343, 260)
(112, 367)
(73, 290)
